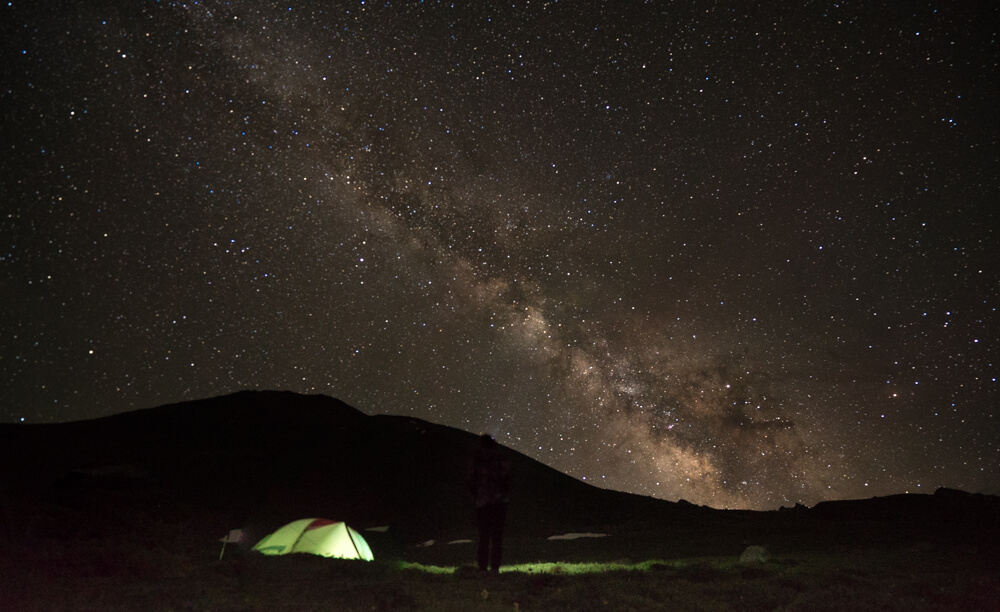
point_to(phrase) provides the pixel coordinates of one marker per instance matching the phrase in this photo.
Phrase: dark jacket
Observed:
(489, 476)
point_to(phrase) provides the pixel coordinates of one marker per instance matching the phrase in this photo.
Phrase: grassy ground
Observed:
(146, 579)
(112, 560)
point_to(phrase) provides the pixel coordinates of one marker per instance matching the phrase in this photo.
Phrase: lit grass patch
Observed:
(563, 568)
(549, 567)
(592, 567)
(430, 569)
(553, 567)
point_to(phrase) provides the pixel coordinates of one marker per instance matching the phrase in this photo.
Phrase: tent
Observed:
(318, 537)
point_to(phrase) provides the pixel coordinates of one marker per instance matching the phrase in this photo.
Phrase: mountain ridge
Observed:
(258, 459)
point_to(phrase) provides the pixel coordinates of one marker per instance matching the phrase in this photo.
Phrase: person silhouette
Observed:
(489, 481)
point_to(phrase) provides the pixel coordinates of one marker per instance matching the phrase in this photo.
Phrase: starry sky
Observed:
(738, 255)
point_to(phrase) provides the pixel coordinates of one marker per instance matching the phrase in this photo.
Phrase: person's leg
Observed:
(496, 535)
(483, 550)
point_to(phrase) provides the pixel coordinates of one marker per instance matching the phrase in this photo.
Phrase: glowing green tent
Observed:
(317, 537)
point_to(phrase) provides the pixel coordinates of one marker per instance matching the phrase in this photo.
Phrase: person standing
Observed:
(489, 481)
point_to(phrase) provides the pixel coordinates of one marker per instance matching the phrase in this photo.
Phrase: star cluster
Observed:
(743, 256)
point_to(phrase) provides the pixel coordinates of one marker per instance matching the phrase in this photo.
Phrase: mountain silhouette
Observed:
(258, 459)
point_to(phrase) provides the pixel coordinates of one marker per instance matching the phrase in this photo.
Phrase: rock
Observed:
(754, 556)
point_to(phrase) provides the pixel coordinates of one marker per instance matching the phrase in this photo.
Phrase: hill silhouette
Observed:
(258, 459)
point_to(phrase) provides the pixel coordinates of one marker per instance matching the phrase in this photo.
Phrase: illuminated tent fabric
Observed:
(317, 537)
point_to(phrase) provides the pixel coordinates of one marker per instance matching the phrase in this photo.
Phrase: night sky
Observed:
(741, 256)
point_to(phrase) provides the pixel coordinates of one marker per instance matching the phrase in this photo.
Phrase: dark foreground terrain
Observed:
(126, 513)
(904, 580)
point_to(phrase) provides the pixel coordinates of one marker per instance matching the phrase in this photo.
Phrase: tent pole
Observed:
(356, 551)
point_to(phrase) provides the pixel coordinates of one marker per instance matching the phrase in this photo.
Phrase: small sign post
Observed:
(235, 536)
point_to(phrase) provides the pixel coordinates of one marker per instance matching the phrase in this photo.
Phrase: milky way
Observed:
(740, 256)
